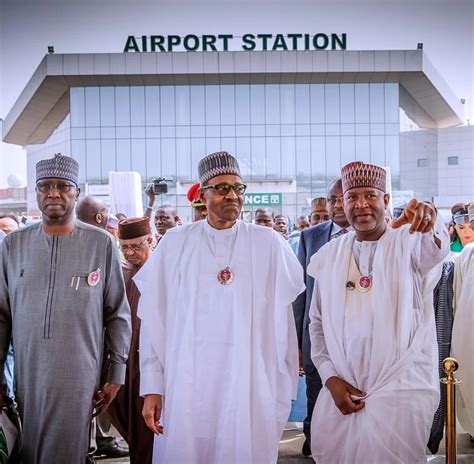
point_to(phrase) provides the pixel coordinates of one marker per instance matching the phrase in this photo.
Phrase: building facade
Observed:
(291, 118)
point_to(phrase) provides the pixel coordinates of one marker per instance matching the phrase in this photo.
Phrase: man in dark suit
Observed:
(311, 241)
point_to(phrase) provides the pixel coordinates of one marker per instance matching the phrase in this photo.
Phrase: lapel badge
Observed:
(93, 278)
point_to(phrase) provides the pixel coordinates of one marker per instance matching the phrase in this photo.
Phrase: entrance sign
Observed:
(262, 199)
(248, 42)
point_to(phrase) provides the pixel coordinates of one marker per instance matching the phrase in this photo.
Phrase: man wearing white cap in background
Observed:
(62, 297)
(218, 347)
(373, 338)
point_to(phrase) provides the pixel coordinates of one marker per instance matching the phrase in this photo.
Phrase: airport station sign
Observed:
(262, 199)
(227, 42)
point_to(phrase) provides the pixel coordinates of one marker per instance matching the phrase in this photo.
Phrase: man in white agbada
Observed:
(218, 346)
(372, 329)
(462, 345)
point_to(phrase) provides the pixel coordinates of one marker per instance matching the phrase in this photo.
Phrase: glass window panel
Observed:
(213, 144)
(228, 131)
(258, 157)
(227, 104)
(123, 132)
(167, 106)
(318, 129)
(347, 150)
(153, 158)
(168, 132)
(152, 105)
(139, 157)
(347, 129)
(198, 116)
(363, 148)
(137, 105)
(377, 150)
(333, 129)
(333, 156)
(273, 157)
(183, 101)
(78, 150)
(362, 129)
(78, 133)
(168, 158)
(92, 106)
(78, 111)
(198, 150)
(123, 155)
(362, 103)
(317, 103)
(198, 131)
(392, 103)
(243, 131)
(257, 130)
(213, 131)
(303, 160)
(392, 129)
(228, 144)
(183, 131)
(93, 160)
(287, 102)
(108, 157)
(377, 129)
(332, 103)
(318, 158)
(392, 155)
(242, 104)
(303, 129)
(288, 130)
(272, 130)
(257, 104)
(107, 132)
(288, 158)
(377, 106)
(153, 132)
(212, 104)
(122, 106)
(243, 154)
(183, 150)
(347, 103)
(93, 132)
(302, 103)
(138, 132)
(107, 106)
(272, 104)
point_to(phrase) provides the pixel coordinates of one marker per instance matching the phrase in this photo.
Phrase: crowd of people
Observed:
(190, 338)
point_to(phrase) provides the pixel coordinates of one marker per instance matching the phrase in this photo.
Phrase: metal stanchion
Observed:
(450, 366)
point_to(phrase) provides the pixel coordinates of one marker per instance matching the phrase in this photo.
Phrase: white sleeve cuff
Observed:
(326, 370)
(152, 383)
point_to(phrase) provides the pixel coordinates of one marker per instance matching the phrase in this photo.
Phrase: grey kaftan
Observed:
(59, 324)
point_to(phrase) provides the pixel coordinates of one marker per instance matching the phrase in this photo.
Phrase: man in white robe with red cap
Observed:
(218, 345)
(372, 328)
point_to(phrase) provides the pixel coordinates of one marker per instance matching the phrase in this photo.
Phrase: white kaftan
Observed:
(462, 345)
(224, 357)
(382, 342)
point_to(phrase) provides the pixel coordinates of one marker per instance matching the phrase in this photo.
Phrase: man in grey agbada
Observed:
(62, 297)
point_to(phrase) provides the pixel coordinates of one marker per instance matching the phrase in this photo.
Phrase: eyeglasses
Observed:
(135, 247)
(63, 187)
(334, 200)
(224, 188)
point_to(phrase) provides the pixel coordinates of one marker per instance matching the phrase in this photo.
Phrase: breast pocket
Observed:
(84, 289)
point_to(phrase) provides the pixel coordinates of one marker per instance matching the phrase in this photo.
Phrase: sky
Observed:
(445, 27)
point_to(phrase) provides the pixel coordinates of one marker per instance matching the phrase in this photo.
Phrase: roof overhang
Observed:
(44, 102)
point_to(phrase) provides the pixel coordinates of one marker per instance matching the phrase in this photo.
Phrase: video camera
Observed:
(157, 186)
